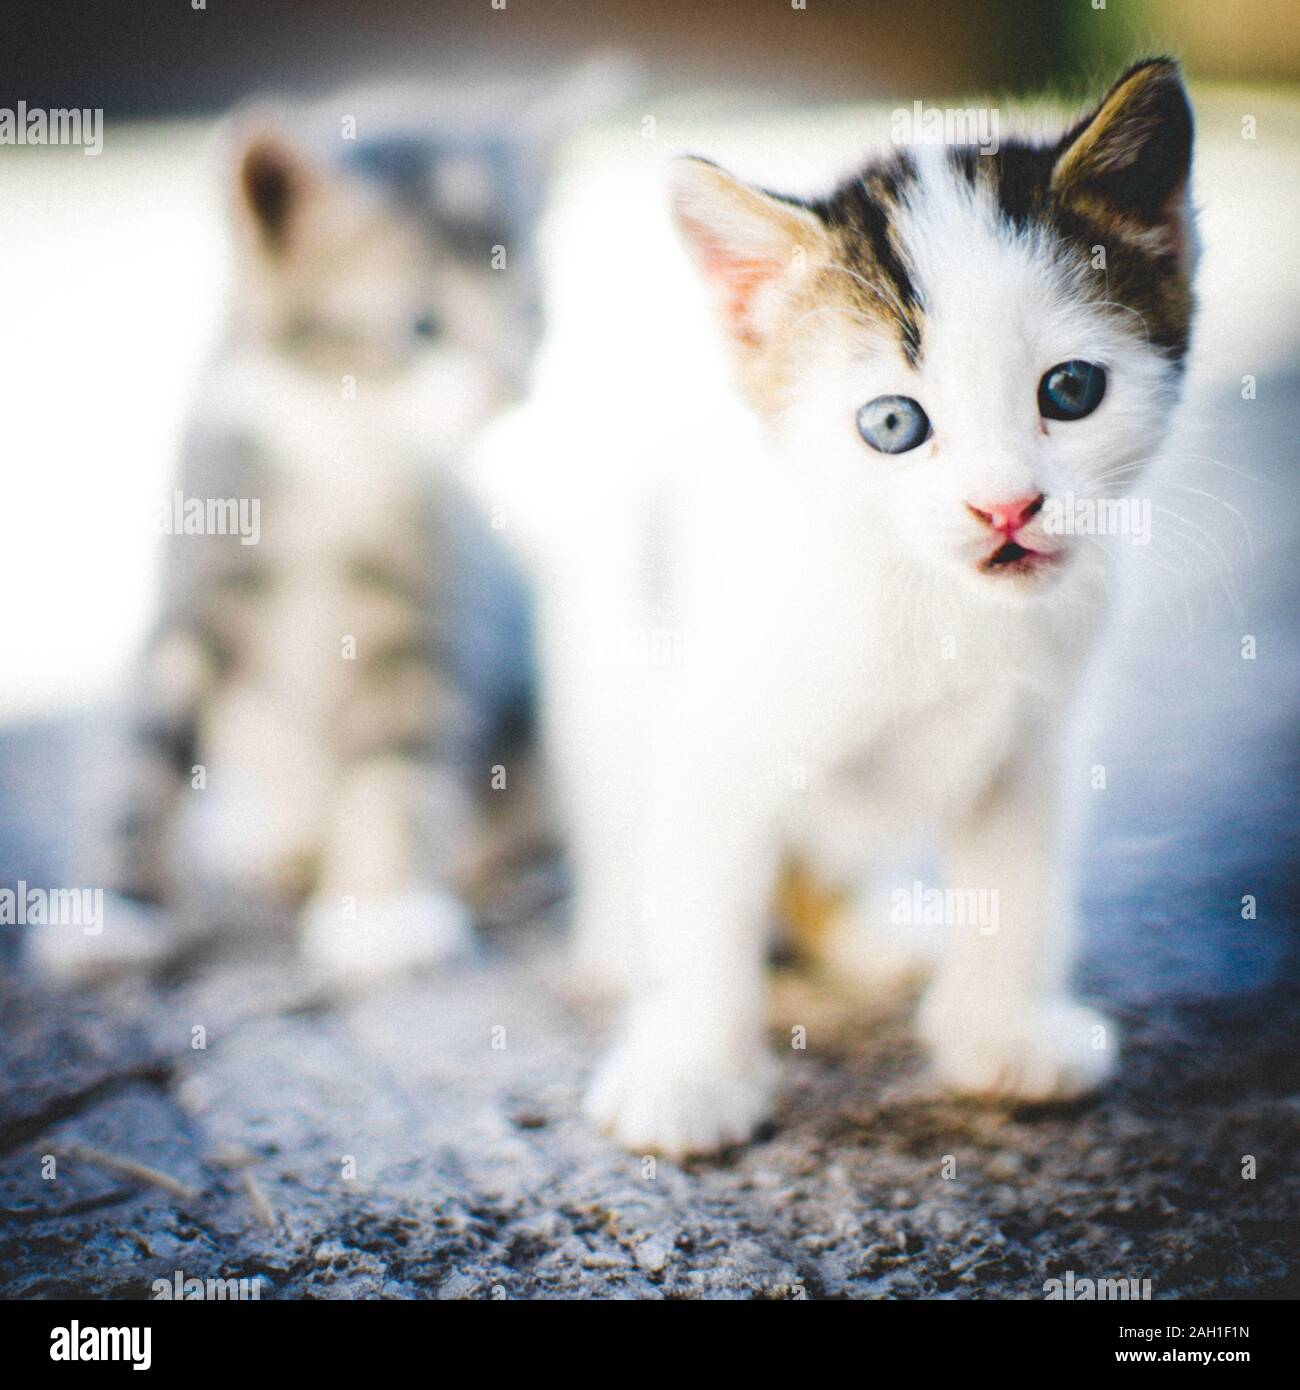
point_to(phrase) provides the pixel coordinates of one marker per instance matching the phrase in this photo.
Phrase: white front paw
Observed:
(356, 944)
(664, 1100)
(127, 935)
(1050, 1052)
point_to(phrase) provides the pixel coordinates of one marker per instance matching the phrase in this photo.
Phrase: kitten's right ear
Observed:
(273, 180)
(749, 245)
(1128, 164)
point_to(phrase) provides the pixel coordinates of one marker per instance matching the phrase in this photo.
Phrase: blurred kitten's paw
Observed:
(657, 1101)
(129, 935)
(1056, 1051)
(357, 944)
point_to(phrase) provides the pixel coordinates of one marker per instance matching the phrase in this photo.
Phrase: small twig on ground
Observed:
(233, 1156)
(241, 1160)
(257, 1198)
(129, 1168)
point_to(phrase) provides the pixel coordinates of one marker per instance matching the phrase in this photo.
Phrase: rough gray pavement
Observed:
(456, 1097)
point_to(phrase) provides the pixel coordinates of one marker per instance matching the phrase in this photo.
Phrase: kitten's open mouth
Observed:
(1013, 558)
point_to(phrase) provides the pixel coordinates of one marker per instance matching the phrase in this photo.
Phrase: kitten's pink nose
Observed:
(1008, 517)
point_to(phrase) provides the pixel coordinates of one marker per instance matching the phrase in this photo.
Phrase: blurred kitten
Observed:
(319, 696)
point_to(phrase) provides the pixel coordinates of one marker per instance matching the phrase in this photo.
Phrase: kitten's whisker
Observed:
(1129, 309)
(882, 292)
(1196, 526)
(1218, 563)
(1159, 484)
(1127, 471)
(1245, 525)
(1147, 558)
(844, 309)
(1172, 456)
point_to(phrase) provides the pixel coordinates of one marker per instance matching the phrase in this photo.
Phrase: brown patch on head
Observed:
(779, 266)
(1120, 181)
(870, 257)
(1116, 180)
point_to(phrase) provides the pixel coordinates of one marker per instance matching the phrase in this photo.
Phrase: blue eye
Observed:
(426, 327)
(893, 424)
(1071, 390)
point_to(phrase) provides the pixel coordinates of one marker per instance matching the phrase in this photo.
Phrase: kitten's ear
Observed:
(273, 181)
(749, 245)
(1130, 161)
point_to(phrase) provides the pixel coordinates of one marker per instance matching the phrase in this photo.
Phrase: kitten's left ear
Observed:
(1130, 161)
(750, 245)
(274, 181)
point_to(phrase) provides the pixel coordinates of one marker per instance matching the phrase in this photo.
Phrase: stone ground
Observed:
(475, 1176)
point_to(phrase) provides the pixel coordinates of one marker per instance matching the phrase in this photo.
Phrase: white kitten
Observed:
(859, 619)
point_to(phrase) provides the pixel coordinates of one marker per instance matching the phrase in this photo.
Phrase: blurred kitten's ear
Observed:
(750, 246)
(1128, 164)
(273, 181)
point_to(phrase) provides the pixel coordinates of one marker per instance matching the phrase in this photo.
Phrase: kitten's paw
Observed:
(382, 937)
(130, 935)
(654, 1101)
(1055, 1052)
